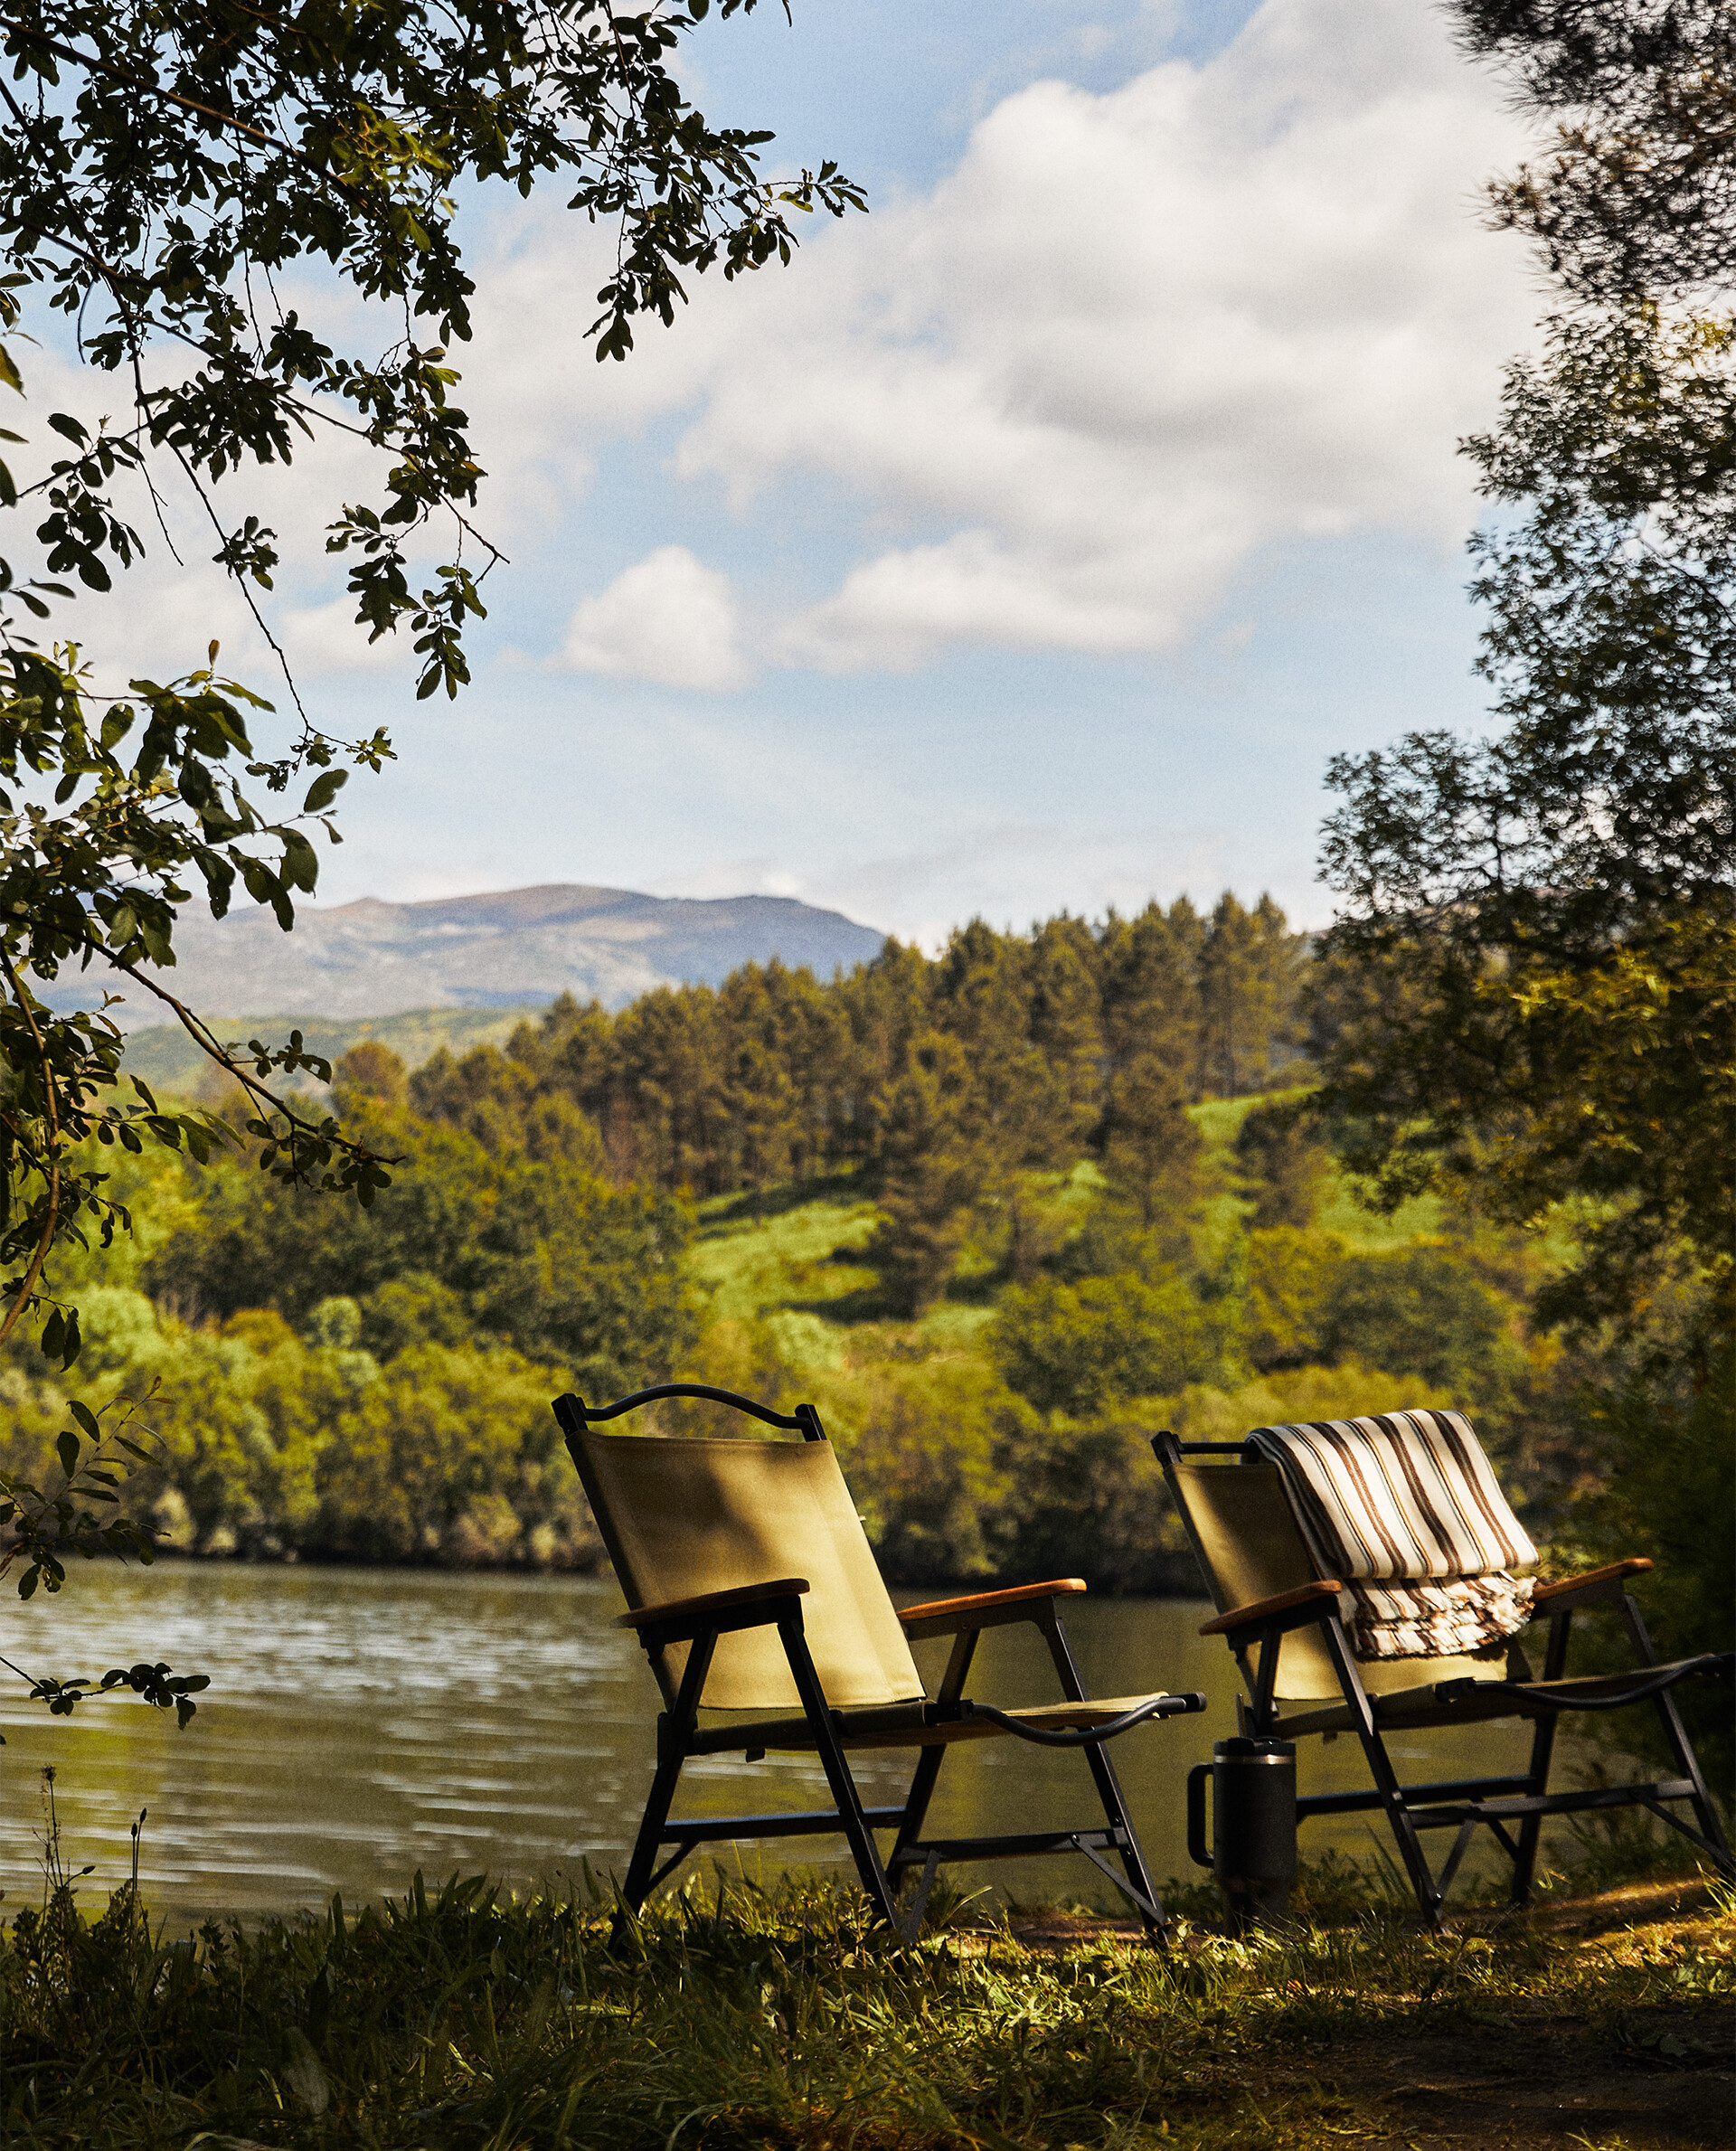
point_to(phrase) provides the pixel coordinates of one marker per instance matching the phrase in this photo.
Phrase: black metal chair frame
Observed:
(701, 1621)
(1466, 1804)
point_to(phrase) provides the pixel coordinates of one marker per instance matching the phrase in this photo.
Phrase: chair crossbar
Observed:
(1514, 1806)
(1030, 1844)
(1356, 1803)
(1147, 1907)
(812, 1822)
(1462, 1844)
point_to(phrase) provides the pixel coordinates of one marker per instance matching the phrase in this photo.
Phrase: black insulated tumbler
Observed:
(1252, 1852)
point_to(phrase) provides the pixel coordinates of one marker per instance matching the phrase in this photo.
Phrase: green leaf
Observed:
(67, 1449)
(86, 1418)
(324, 789)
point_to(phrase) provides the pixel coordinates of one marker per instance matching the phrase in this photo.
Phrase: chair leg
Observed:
(928, 1770)
(1676, 1735)
(844, 1795)
(916, 1807)
(674, 1728)
(1144, 1891)
(658, 1802)
(1416, 1865)
(1543, 1749)
(916, 1812)
(1525, 1859)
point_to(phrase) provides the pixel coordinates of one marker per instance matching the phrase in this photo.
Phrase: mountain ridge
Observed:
(495, 949)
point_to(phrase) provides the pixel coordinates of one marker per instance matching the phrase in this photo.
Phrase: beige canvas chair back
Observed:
(1239, 1518)
(683, 1516)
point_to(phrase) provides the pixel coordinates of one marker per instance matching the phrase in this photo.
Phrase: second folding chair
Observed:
(752, 1587)
(1361, 1572)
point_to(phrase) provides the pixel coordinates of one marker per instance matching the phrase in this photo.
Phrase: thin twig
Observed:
(207, 1042)
(143, 82)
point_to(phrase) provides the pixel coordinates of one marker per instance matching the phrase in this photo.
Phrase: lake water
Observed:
(362, 1723)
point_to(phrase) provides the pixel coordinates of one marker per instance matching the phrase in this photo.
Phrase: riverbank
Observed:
(459, 2017)
(363, 1723)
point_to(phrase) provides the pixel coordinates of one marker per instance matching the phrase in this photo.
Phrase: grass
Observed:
(797, 1258)
(799, 1261)
(458, 2016)
(1364, 1232)
(800, 1267)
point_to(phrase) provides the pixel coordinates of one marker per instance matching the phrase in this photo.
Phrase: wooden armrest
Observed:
(983, 1609)
(699, 1612)
(1568, 1591)
(1303, 1603)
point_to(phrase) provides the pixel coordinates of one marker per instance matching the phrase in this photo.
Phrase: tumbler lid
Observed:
(1242, 1749)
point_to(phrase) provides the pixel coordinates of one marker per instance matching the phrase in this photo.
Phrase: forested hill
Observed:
(511, 948)
(952, 1080)
(998, 1212)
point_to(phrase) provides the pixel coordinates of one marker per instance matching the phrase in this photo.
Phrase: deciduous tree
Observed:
(1555, 905)
(162, 167)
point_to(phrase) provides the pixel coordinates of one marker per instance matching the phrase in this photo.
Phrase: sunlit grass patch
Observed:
(736, 2016)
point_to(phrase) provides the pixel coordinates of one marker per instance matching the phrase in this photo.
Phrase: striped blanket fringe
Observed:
(1404, 1509)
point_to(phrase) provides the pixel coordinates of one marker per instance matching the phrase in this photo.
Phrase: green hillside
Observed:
(998, 1215)
(169, 1060)
(967, 1464)
(802, 1267)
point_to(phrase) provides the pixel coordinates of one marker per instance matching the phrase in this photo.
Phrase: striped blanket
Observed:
(1404, 1511)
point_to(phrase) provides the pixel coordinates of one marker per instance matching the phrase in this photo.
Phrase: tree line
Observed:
(953, 1083)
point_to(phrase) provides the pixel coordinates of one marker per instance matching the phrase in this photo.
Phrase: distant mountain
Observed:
(516, 949)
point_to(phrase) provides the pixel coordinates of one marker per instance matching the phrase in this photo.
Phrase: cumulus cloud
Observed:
(1060, 401)
(1136, 337)
(668, 618)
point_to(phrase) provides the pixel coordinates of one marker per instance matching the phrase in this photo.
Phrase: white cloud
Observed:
(1134, 338)
(668, 618)
(1058, 402)
(753, 874)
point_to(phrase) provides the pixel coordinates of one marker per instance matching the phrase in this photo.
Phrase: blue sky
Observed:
(1029, 544)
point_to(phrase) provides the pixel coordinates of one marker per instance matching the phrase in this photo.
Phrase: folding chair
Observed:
(751, 1585)
(1286, 1622)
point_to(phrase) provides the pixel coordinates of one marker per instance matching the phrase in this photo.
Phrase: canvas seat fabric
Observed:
(682, 1516)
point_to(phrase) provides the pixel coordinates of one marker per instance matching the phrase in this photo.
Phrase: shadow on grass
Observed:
(980, 1290)
(867, 1303)
(840, 1188)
